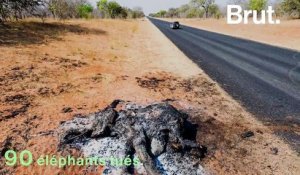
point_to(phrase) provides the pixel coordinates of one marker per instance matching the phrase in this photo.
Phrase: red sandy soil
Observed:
(53, 71)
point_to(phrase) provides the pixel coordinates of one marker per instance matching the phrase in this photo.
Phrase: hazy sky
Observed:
(150, 6)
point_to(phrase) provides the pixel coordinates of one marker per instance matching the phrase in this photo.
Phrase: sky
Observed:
(150, 6)
(153, 6)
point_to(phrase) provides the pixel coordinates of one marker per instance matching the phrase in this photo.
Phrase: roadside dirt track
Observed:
(86, 65)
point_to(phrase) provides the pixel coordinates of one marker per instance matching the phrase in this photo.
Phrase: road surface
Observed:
(265, 79)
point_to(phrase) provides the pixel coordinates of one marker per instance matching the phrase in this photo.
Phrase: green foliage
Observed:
(291, 8)
(136, 12)
(162, 13)
(102, 5)
(111, 9)
(258, 5)
(172, 12)
(193, 13)
(85, 10)
(195, 9)
(60, 9)
(184, 8)
(214, 11)
(64, 9)
(114, 9)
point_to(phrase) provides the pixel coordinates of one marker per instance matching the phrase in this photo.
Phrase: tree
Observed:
(193, 12)
(292, 8)
(205, 4)
(103, 7)
(183, 10)
(172, 12)
(136, 12)
(123, 13)
(162, 13)
(85, 10)
(64, 9)
(112, 9)
(61, 9)
(258, 5)
(278, 7)
(17, 8)
(214, 11)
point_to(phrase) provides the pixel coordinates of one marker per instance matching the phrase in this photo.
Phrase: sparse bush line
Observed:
(209, 9)
(64, 9)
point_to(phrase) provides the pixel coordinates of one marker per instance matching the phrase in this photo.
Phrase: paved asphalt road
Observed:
(264, 78)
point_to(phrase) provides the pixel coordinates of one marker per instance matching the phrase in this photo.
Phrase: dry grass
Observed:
(32, 32)
(47, 67)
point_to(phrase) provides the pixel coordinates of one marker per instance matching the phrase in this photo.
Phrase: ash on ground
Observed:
(158, 135)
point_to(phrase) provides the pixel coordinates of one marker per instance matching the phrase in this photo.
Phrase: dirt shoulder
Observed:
(79, 67)
(285, 34)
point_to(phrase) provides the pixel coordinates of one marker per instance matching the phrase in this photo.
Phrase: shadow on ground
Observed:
(23, 33)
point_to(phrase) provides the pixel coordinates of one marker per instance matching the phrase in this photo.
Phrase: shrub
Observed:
(291, 8)
(85, 10)
(258, 5)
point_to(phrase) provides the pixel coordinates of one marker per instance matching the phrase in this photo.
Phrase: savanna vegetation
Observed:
(13, 10)
(194, 9)
(209, 9)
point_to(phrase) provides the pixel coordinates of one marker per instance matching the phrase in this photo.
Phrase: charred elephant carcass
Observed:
(153, 134)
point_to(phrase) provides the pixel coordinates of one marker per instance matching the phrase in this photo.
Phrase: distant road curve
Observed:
(264, 78)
